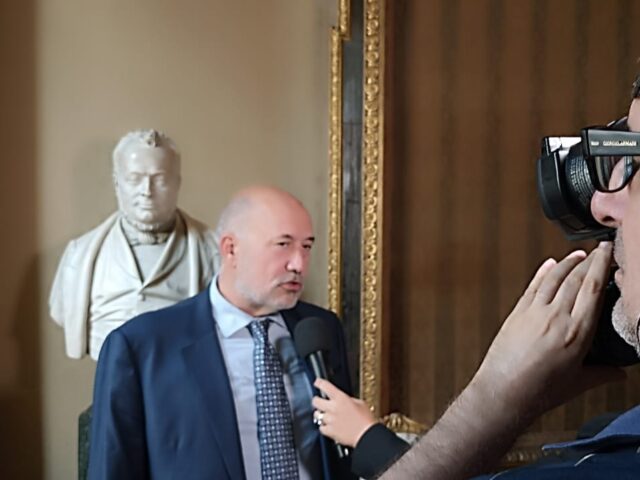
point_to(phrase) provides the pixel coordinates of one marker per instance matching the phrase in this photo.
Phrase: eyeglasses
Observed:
(609, 153)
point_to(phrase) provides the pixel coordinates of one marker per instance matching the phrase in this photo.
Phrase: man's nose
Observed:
(608, 208)
(145, 186)
(297, 261)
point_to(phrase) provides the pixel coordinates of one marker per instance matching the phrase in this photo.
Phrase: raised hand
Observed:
(534, 363)
(536, 360)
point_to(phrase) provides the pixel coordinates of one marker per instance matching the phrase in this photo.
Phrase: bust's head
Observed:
(146, 175)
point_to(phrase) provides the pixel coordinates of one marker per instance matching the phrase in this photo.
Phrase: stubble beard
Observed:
(624, 324)
(262, 301)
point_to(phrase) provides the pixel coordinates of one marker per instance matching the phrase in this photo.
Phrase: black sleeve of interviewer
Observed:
(376, 450)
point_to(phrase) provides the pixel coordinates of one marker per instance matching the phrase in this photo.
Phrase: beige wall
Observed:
(242, 87)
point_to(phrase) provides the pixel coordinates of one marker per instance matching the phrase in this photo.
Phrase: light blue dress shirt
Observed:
(237, 346)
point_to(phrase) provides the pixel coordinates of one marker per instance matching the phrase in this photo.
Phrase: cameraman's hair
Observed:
(149, 138)
(635, 89)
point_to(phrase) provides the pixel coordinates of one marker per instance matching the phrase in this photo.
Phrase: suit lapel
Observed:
(205, 362)
(291, 318)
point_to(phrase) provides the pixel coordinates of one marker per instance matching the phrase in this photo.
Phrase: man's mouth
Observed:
(292, 286)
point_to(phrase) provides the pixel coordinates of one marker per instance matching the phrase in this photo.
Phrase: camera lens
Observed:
(566, 185)
(579, 185)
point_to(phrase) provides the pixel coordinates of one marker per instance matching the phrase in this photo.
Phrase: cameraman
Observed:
(534, 364)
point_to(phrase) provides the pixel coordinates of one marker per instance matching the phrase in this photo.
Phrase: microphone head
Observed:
(311, 335)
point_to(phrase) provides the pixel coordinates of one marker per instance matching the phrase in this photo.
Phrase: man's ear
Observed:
(228, 248)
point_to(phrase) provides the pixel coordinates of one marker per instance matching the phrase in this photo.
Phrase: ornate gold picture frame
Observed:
(371, 169)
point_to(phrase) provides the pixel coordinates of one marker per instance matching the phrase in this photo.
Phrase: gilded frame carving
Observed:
(338, 35)
(372, 201)
(372, 191)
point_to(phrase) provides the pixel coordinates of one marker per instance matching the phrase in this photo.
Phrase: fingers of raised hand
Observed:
(530, 293)
(555, 277)
(586, 301)
(568, 291)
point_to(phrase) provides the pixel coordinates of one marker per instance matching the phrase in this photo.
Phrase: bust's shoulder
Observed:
(202, 237)
(77, 247)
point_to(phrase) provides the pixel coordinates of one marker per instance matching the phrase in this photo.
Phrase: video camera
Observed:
(571, 169)
(569, 172)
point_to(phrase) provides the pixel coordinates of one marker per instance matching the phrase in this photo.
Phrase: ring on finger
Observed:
(318, 418)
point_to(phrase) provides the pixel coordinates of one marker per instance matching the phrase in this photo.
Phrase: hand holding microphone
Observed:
(344, 419)
(338, 416)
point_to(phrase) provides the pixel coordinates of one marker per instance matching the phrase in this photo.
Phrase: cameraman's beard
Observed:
(628, 329)
(623, 324)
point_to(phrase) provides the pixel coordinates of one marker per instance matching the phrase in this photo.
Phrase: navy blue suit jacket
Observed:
(163, 406)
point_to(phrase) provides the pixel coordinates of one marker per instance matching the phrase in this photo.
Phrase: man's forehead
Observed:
(305, 237)
(139, 150)
(298, 229)
(276, 223)
(137, 156)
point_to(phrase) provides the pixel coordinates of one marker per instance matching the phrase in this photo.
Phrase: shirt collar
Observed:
(231, 319)
(622, 430)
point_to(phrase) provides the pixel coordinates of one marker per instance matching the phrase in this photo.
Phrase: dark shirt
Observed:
(611, 453)
(376, 450)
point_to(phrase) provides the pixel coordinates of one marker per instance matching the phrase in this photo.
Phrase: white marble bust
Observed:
(147, 255)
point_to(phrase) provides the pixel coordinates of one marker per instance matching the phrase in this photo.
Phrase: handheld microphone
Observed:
(312, 339)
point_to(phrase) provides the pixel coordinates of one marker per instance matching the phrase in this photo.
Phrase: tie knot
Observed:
(259, 328)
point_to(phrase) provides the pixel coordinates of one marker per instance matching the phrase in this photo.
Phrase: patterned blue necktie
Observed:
(278, 459)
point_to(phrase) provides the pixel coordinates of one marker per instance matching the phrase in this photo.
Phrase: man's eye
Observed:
(307, 247)
(160, 180)
(283, 244)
